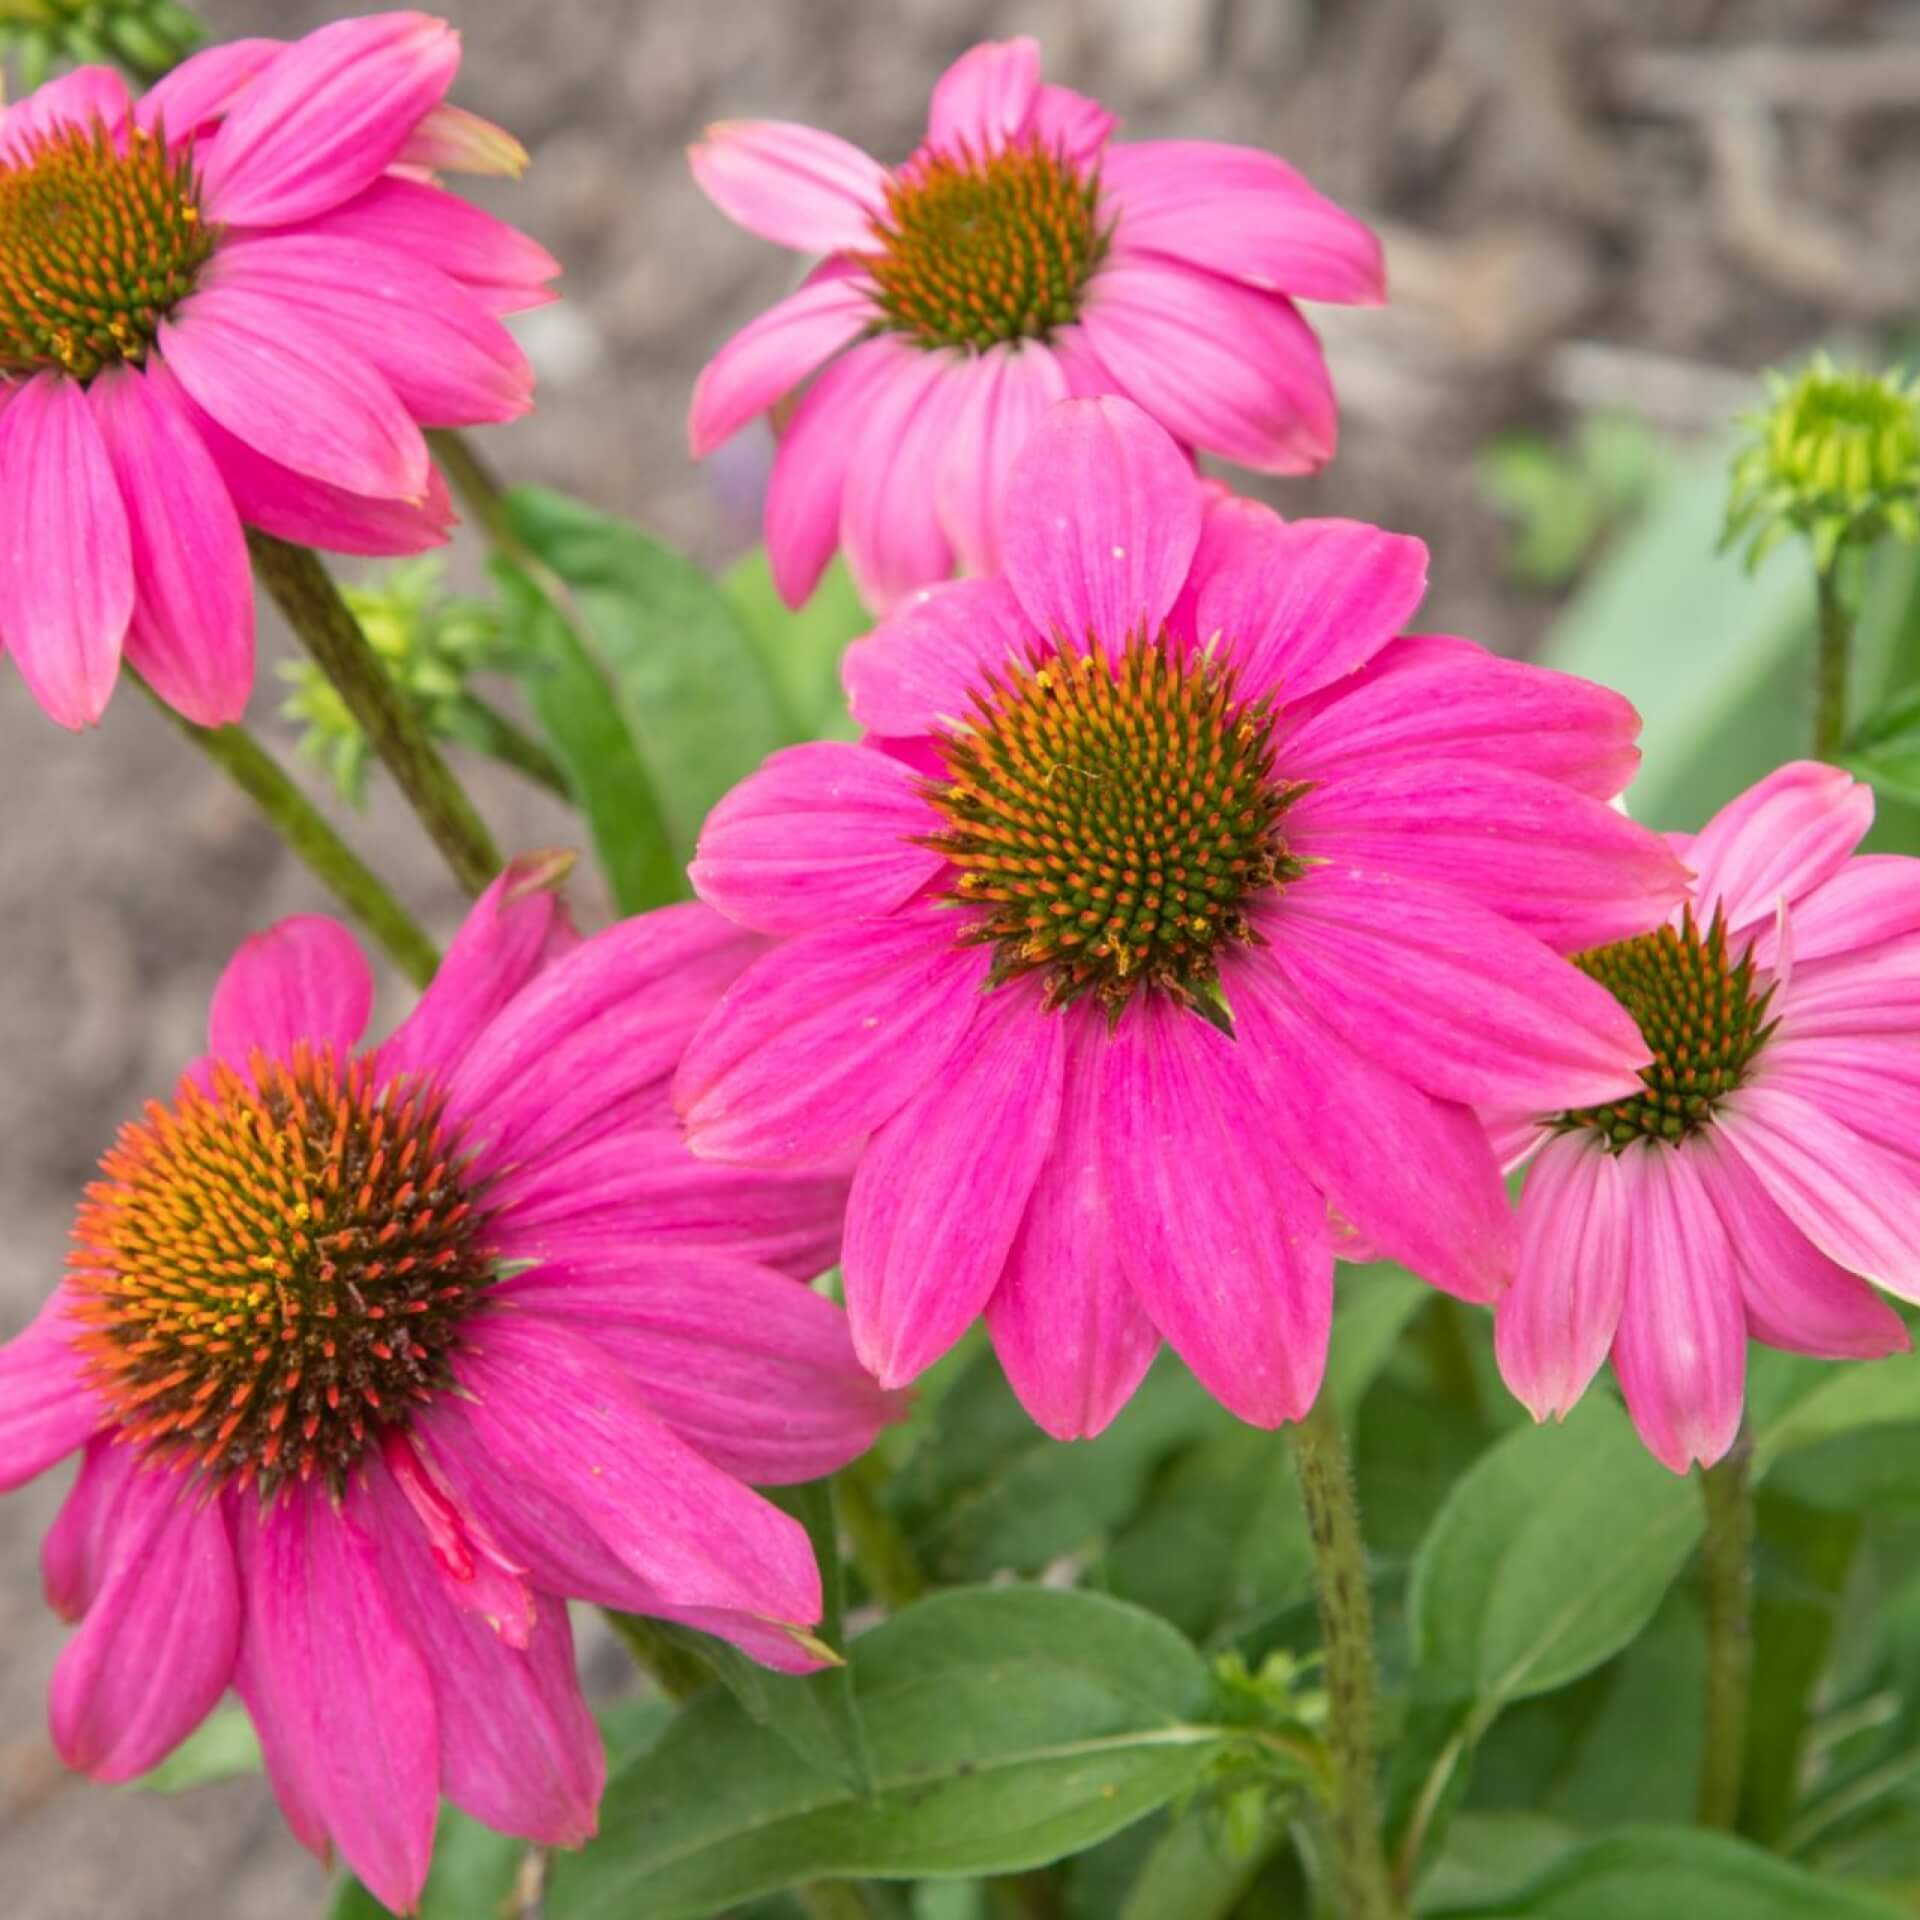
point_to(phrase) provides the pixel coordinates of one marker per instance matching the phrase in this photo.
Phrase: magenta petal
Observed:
(918, 670)
(793, 185)
(1070, 123)
(757, 1373)
(192, 629)
(827, 1037)
(939, 1192)
(770, 356)
(985, 98)
(66, 560)
(1556, 1323)
(1219, 365)
(304, 979)
(1437, 989)
(822, 834)
(1003, 394)
(1103, 519)
(1778, 840)
(160, 1638)
(1875, 897)
(1681, 1351)
(325, 118)
(46, 1407)
(86, 97)
(1242, 213)
(1435, 1202)
(1305, 602)
(889, 512)
(1220, 1234)
(277, 377)
(1070, 1334)
(77, 1550)
(198, 92)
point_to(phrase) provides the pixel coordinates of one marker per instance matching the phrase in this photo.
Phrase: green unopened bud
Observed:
(1836, 459)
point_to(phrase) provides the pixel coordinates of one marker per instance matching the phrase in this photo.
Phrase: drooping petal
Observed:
(1219, 365)
(985, 99)
(826, 1038)
(1221, 1236)
(889, 512)
(1073, 1339)
(198, 92)
(919, 668)
(157, 1647)
(1102, 522)
(303, 979)
(1681, 1349)
(77, 1549)
(1243, 213)
(46, 1407)
(939, 1192)
(450, 139)
(1004, 393)
(822, 834)
(770, 356)
(66, 558)
(192, 628)
(1556, 1323)
(793, 185)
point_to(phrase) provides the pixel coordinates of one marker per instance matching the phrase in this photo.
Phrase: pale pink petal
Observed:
(450, 139)
(1073, 1339)
(919, 669)
(1219, 365)
(889, 512)
(1870, 993)
(1569, 868)
(1873, 898)
(192, 629)
(66, 558)
(1681, 1350)
(1441, 991)
(757, 1373)
(1870, 1082)
(939, 1192)
(86, 97)
(827, 1037)
(1431, 699)
(770, 356)
(1778, 840)
(198, 92)
(1220, 1234)
(46, 1407)
(1102, 521)
(1435, 1202)
(1243, 213)
(160, 1638)
(279, 378)
(325, 118)
(793, 185)
(1069, 123)
(304, 979)
(984, 100)
(1556, 1323)
(822, 834)
(1004, 392)
(1302, 603)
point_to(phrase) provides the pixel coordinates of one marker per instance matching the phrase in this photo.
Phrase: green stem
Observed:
(479, 489)
(1831, 665)
(1728, 1491)
(1346, 1632)
(302, 826)
(879, 1549)
(306, 594)
(483, 727)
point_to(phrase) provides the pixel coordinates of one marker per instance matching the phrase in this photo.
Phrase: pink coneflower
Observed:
(1765, 1170)
(236, 302)
(1173, 903)
(375, 1357)
(1015, 259)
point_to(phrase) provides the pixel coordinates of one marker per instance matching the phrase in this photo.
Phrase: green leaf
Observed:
(801, 647)
(1649, 1873)
(1195, 1872)
(223, 1747)
(1007, 1727)
(1547, 1558)
(1834, 1400)
(475, 1874)
(574, 705)
(1487, 1855)
(688, 683)
(1885, 747)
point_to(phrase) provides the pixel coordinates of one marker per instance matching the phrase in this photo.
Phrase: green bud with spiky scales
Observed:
(1836, 458)
(147, 37)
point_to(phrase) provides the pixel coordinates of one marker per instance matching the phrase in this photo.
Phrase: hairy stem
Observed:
(1346, 1632)
(878, 1547)
(478, 489)
(1728, 1491)
(305, 592)
(1831, 665)
(304, 828)
(483, 727)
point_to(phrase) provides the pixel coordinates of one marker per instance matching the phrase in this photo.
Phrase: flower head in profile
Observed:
(1017, 258)
(375, 1356)
(1171, 905)
(235, 302)
(1764, 1171)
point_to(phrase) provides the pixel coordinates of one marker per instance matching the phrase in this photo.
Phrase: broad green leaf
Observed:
(801, 647)
(574, 705)
(1006, 1727)
(1547, 1558)
(1837, 1400)
(1195, 1871)
(475, 1874)
(1650, 1873)
(1885, 747)
(687, 681)
(1488, 1855)
(223, 1747)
